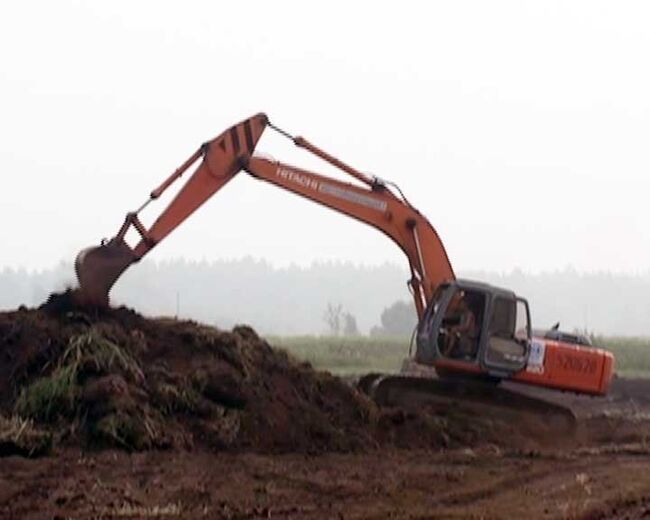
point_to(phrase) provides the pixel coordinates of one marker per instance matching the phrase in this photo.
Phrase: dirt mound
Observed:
(116, 378)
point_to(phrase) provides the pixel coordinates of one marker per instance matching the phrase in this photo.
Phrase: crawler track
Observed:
(483, 397)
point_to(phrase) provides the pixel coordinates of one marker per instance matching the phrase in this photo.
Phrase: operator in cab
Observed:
(463, 333)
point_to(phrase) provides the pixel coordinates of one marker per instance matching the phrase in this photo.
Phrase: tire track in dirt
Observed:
(521, 477)
(568, 489)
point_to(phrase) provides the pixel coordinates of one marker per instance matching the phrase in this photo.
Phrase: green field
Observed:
(358, 355)
(632, 354)
(347, 355)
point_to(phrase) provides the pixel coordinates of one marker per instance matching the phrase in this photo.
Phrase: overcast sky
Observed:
(521, 129)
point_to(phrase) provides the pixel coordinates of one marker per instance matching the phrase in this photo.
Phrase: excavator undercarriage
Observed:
(417, 388)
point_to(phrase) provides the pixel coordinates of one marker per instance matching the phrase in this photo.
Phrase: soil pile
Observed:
(114, 378)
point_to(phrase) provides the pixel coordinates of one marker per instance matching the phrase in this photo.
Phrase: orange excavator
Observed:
(467, 331)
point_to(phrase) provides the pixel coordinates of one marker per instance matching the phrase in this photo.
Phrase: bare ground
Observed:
(611, 482)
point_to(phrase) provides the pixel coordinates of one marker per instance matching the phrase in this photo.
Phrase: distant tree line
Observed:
(336, 297)
(398, 319)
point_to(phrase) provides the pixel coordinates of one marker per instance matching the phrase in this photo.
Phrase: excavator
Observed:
(470, 334)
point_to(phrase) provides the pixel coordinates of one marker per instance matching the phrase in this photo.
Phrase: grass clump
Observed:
(49, 397)
(93, 352)
(57, 395)
(181, 398)
(98, 387)
(19, 436)
(127, 430)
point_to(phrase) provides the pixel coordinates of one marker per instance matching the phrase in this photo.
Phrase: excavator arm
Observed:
(221, 159)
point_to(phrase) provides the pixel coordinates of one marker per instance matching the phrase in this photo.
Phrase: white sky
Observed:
(520, 129)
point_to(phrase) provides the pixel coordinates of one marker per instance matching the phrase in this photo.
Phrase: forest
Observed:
(338, 297)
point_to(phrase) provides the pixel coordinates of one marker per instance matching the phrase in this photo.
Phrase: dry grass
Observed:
(20, 436)
(135, 511)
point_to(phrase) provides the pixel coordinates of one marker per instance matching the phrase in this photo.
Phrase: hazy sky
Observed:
(521, 129)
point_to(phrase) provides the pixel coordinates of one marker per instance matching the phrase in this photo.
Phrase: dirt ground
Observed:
(608, 482)
(129, 417)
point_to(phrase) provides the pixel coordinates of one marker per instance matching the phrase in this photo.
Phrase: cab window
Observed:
(508, 332)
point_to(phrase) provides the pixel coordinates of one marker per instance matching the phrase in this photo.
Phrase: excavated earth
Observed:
(108, 414)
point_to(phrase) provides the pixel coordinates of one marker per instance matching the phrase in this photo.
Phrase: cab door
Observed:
(507, 336)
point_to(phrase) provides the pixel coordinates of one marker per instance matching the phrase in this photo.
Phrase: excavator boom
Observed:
(98, 268)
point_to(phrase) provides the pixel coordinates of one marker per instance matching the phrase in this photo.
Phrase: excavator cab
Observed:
(474, 327)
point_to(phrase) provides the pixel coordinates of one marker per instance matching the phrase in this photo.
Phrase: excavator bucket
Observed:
(98, 268)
